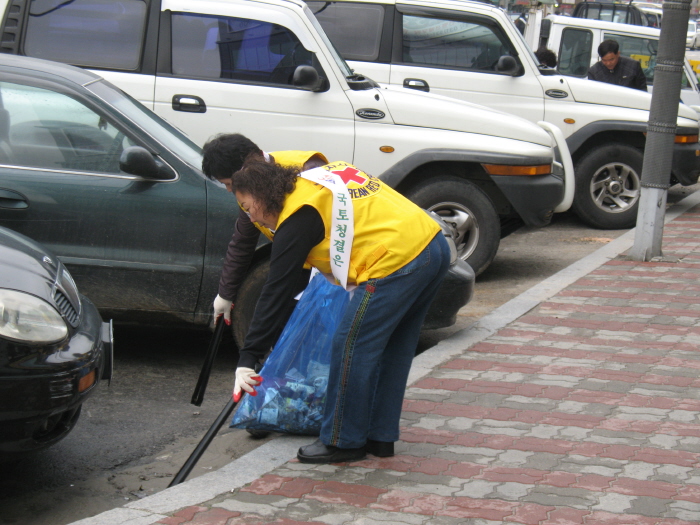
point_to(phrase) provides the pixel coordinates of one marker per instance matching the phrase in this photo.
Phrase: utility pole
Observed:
(661, 131)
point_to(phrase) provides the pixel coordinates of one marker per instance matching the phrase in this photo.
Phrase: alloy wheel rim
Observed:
(464, 226)
(615, 187)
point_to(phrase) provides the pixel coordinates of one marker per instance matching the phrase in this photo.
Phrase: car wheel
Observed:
(608, 185)
(248, 295)
(469, 212)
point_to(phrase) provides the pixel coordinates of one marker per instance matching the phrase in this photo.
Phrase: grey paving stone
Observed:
(561, 497)
(313, 474)
(684, 510)
(350, 475)
(408, 417)
(261, 505)
(489, 400)
(674, 474)
(542, 461)
(614, 502)
(424, 450)
(610, 438)
(548, 406)
(647, 506)
(427, 395)
(477, 488)
(512, 491)
(575, 459)
(374, 516)
(383, 479)
(337, 518)
(469, 398)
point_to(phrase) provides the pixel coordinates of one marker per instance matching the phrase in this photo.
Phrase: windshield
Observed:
(342, 64)
(169, 136)
(692, 27)
(522, 39)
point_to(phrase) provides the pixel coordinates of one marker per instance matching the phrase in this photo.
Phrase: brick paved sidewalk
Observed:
(585, 410)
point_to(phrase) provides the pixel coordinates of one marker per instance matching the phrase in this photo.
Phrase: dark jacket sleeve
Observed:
(294, 240)
(238, 256)
(640, 79)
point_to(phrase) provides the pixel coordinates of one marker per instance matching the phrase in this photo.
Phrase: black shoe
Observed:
(317, 452)
(381, 449)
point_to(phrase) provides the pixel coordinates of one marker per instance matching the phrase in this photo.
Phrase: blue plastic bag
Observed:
(295, 375)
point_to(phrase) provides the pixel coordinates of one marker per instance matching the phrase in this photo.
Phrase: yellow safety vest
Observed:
(294, 158)
(390, 230)
(289, 159)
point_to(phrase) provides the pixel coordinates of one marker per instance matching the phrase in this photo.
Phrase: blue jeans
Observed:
(374, 347)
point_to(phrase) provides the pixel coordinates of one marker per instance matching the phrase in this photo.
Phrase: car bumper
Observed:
(40, 397)
(534, 198)
(686, 163)
(456, 291)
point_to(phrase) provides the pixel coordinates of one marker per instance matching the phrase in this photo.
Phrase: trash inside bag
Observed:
(295, 375)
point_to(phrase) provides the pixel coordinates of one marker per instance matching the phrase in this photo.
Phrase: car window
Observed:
(641, 49)
(50, 130)
(452, 43)
(147, 121)
(355, 29)
(217, 47)
(92, 33)
(575, 52)
(654, 19)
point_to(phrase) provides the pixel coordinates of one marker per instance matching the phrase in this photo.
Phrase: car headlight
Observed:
(27, 318)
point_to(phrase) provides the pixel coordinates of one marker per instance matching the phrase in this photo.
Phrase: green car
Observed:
(118, 194)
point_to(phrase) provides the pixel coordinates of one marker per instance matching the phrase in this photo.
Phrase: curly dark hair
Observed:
(266, 182)
(224, 154)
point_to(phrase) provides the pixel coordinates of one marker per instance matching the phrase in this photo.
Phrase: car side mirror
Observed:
(508, 65)
(136, 160)
(306, 77)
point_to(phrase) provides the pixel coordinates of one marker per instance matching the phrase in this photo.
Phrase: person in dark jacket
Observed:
(224, 155)
(616, 69)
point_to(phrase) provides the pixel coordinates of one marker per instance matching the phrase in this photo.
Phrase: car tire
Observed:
(248, 295)
(469, 212)
(608, 186)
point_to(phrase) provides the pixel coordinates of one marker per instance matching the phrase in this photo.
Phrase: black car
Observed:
(54, 346)
(118, 194)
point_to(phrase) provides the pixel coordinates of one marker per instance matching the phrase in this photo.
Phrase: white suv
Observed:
(266, 68)
(473, 52)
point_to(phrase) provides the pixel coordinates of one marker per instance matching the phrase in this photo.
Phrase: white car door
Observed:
(230, 71)
(456, 54)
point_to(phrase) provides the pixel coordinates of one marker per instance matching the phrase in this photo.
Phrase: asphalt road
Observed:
(134, 436)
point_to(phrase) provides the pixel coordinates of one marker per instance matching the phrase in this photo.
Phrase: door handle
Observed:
(12, 200)
(417, 84)
(189, 104)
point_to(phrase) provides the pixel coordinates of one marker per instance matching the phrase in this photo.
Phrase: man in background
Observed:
(616, 69)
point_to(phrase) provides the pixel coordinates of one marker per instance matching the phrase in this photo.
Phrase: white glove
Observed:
(223, 307)
(246, 379)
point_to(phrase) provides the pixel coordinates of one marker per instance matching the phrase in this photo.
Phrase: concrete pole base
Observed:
(650, 225)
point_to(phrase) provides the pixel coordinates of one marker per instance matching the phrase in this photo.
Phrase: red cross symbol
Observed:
(351, 174)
